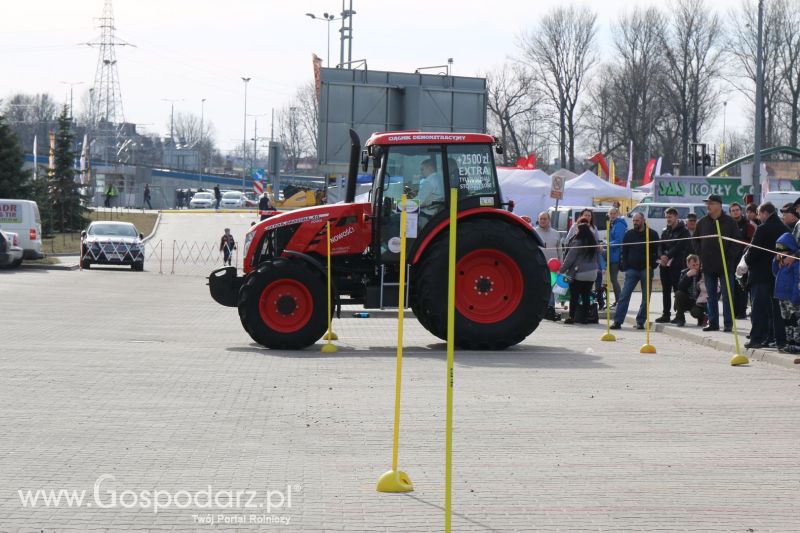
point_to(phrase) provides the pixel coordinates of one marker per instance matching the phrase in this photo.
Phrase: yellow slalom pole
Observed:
(330, 335)
(396, 480)
(451, 315)
(647, 347)
(608, 336)
(738, 358)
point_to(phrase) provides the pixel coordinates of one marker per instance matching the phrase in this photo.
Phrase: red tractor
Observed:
(502, 285)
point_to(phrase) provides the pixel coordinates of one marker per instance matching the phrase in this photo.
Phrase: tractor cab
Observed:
(424, 166)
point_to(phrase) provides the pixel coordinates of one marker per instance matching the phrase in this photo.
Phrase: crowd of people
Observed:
(761, 247)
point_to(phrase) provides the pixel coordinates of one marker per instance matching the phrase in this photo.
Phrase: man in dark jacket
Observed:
(691, 227)
(711, 258)
(265, 207)
(634, 263)
(672, 259)
(746, 229)
(765, 316)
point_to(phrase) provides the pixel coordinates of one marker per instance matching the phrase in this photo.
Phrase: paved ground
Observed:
(144, 378)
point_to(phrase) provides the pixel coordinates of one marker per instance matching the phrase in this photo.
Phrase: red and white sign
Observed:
(258, 187)
(557, 187)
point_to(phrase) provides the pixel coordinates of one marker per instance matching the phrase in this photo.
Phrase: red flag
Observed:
(648, 172)
(521, 162)
(598, 158)
(531, 162)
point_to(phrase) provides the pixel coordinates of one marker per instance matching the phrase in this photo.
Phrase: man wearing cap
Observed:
(711, 258)
(789, 216)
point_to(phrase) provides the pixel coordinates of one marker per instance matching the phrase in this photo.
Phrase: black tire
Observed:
(305, 295)
(137, 267)
(513, 312)
(15, 264)
(86, 264)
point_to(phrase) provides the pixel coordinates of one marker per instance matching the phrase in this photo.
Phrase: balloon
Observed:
(554, 264)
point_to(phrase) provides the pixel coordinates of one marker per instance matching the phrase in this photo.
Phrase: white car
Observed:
(10, 251)
(233, 200)
(202, 200)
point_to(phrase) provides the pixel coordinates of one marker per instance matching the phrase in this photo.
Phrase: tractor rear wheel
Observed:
(282, 304)
(502, 285)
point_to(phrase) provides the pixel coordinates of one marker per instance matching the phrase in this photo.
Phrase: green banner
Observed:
(696, 189)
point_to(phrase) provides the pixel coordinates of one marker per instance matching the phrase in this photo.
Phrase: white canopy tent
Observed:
(587, 187)
(530, 190)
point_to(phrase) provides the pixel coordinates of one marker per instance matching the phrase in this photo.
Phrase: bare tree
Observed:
(29, 115)
(790, 67)
(693, 47)
(560, 50)
(637, 77)
(307, 114)
(742, 46)
(289, 135)
(511, 104)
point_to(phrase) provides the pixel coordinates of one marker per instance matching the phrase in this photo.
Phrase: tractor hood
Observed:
(304, 231)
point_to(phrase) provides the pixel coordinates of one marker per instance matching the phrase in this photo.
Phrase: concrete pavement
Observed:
(144, 378)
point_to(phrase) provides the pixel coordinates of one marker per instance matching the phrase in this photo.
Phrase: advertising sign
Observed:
(9, 214)
(557, 187)
(694, 189)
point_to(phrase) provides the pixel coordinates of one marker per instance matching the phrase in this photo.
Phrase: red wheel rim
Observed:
(489, 286)
(286, 305)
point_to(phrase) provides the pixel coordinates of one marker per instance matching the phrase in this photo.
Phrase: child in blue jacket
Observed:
(787, 290)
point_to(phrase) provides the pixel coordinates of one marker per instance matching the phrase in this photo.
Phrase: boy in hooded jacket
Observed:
(787, 276)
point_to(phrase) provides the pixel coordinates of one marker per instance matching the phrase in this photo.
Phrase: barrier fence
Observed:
(164, 257)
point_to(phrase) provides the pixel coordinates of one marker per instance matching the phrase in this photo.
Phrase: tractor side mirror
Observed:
(364, 160)
(498, 149)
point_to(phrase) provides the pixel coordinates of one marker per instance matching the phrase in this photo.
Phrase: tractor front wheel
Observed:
(282, 304)
(502, 285)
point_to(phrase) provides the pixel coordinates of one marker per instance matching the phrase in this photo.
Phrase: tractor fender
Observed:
(480, 212)
(322, 270)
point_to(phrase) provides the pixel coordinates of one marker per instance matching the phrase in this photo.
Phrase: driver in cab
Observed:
(431, 187)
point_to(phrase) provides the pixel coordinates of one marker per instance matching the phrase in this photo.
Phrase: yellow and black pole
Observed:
(608, 335)
(647, 347)
(451, 323)
(738, 358)
(396, 480)
(329, 347)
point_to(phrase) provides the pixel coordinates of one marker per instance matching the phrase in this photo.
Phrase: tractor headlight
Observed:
(248, 239)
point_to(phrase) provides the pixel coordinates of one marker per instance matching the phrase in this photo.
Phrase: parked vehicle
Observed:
(10, 251)
(565, 216)
(22, 217)
(503, 281)
(233, 200)
(654, 212)
(781, 198)
(112, 243)
(202, 200)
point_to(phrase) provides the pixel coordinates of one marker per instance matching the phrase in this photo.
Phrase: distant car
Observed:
(232, 200)
(251, 199)
(10, 251)
(112, 243)
(655, 212)
(202, 200)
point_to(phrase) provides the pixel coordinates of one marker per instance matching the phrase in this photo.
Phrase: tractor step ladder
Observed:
(385, 284)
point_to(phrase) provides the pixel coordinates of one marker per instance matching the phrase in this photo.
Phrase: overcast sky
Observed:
(189, 50)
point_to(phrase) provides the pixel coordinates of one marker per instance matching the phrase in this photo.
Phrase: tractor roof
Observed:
(428, 137)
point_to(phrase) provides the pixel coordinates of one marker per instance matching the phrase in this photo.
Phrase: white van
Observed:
(565, 216)
(22, 217)
(656, 217)
(781, 198)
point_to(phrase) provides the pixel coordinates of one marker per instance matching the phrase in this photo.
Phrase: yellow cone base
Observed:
(330, 336)
(608, 337)
(394, 481)
(739, 360)
(647, 348)
(329, 348)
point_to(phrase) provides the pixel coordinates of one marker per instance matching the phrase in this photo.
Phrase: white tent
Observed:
(530, 190)
(588, 186)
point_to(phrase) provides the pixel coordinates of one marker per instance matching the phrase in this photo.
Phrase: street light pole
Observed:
(244, 135)
(71, 85)
(759, 105)
(202, 156)
(327, 17)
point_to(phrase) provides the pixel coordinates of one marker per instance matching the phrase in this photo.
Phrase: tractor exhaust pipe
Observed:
(355, 155)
